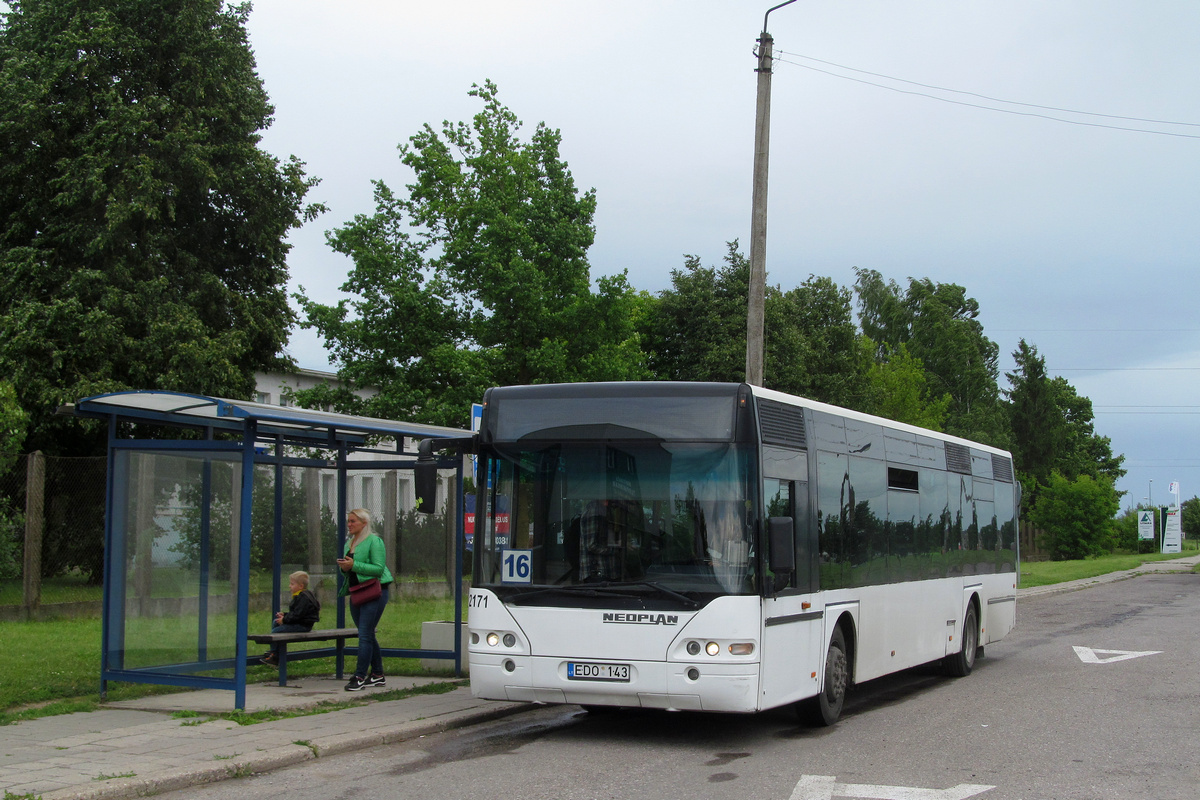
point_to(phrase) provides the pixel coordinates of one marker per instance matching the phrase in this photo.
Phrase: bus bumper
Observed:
(652, 684)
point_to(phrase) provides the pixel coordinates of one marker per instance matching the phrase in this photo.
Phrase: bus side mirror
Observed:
(425, 478)
(782, 543)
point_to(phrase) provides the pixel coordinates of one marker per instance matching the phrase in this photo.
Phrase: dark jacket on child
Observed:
(305, 609)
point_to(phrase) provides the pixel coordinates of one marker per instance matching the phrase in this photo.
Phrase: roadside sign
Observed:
(1173, 533)
(1146, 524)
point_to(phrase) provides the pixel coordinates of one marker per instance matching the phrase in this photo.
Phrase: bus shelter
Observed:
(211, 503)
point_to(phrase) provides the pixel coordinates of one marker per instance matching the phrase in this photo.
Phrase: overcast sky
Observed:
(1079, 235)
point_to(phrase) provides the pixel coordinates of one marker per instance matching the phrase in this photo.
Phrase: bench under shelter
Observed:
(211, 503)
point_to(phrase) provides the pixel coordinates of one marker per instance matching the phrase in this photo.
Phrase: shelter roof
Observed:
(308, 425)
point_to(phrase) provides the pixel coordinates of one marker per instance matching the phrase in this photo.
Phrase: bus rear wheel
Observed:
(826, 707)
(959, 664)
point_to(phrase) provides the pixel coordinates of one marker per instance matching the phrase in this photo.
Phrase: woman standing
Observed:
(362, 561)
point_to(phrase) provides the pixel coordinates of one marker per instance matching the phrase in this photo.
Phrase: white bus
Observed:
(723, 547)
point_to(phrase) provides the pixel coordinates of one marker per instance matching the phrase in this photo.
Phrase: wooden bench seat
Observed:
(282, 640)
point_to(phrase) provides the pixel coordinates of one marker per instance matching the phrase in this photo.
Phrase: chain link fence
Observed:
(52, 535)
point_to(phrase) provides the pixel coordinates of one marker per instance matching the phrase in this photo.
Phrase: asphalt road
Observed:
(1092, 696)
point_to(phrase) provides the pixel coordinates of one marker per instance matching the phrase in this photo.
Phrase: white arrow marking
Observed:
(824, 787)
(1090, 655)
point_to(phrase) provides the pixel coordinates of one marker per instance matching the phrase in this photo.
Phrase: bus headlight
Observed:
(693, 648)
(712, 648)
(493, 639)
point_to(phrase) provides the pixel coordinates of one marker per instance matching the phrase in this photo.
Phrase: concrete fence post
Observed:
(35, 524)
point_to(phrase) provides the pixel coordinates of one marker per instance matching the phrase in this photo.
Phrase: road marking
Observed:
(1091, 655)
(825, 787)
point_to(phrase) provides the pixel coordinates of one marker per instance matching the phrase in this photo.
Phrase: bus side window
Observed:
(806, 541)
(790, 499)
(777, 497)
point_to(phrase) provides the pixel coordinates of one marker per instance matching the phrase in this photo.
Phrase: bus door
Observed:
(793, 626)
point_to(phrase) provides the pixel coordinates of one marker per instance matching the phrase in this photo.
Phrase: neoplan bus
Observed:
(723, 547)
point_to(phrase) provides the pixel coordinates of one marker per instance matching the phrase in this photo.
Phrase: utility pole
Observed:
(758, 220)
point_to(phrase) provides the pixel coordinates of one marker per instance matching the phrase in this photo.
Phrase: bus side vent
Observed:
(781, 424)
(958, 458)
(1002, 469)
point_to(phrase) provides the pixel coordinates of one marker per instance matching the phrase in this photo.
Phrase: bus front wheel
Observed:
(826, 707)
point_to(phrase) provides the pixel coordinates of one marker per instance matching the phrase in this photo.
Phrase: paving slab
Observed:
(133, 748)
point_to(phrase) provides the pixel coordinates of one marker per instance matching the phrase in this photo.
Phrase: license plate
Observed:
(584, 671)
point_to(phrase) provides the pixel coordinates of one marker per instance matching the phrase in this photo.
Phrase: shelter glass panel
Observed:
(174, 566)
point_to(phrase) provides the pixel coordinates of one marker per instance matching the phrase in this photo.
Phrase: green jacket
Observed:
(368, 563)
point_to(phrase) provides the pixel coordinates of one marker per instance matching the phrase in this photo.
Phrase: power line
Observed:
(1149, 413)
(993, 108)
(1110, 406)
(1094, 330)
(1122, 369)
(992, 99)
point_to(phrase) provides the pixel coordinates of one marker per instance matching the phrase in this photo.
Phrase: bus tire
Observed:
(826, 707)
(959, 664)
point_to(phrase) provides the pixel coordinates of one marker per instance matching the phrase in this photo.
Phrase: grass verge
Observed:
(1044, 573)
(53, 667)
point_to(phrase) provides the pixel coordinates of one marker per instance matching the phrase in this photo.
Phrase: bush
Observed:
(1077, 516)
(1125, 532)
(12, 537)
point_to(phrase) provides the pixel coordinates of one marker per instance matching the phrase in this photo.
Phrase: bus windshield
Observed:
(568, 521)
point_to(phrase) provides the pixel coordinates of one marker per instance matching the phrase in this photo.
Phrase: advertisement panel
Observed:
(1173, 533)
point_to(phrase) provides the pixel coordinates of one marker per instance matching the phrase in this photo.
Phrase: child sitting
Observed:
(302, 613)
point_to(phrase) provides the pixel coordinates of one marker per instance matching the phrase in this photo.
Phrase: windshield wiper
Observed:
(658, 587)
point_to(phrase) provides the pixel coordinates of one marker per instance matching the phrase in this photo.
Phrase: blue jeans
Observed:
(289, 627)
(366, 617)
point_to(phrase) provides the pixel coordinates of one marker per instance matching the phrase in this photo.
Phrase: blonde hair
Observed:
(300, 577)
(363, 515)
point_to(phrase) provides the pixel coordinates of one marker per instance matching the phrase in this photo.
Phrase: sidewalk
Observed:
(134, 748)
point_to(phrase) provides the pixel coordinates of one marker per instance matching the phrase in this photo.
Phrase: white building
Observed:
(278, 388)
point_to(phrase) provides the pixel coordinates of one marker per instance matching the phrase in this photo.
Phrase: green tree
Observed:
(897, 388)
(697, 328)
(939, 325)
(822, 317)
(1082, 451)
(696, 331)
(142, 228)
(13, 424)
(1036, 419)
(1190, 519)
(479, 276)
(1077, 515)
(1125, 531)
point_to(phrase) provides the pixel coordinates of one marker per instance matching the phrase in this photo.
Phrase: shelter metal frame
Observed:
(255, 433)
